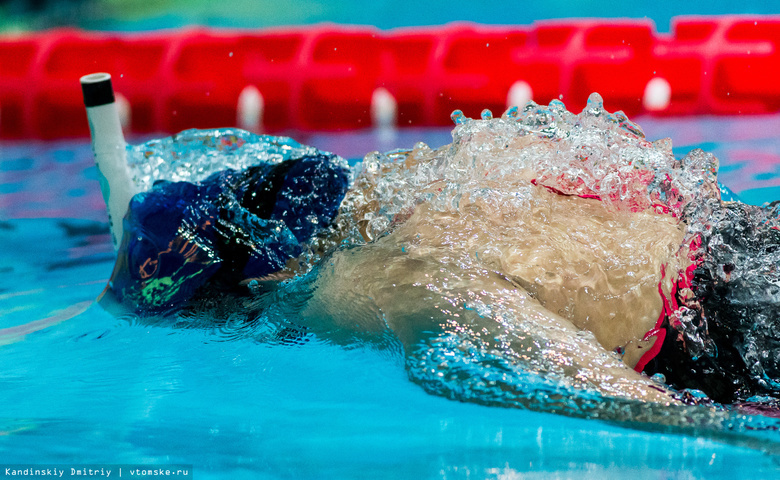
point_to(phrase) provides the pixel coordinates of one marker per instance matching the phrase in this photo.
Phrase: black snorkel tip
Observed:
(97, 89)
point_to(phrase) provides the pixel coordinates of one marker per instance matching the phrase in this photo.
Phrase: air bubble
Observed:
(659, 378)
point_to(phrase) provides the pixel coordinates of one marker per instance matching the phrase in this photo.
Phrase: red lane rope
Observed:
(323, 77)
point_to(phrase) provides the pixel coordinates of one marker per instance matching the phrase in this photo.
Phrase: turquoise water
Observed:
(78, 385)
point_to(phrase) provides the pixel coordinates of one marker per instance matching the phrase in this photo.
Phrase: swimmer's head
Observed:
(167, 251)
(235, 224)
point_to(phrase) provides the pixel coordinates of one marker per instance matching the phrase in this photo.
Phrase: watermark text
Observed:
(28, 472)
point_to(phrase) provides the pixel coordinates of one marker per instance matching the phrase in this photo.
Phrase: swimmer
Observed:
(554, 254)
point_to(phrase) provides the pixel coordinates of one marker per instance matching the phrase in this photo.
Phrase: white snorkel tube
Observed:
(110, 149)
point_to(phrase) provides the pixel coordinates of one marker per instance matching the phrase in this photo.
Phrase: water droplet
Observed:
(458, 118)
(511, 113)
(486, 114)
(595, 105)
(557, 106)
(530, 106)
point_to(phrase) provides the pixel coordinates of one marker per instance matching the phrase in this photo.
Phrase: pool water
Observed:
(79, 386)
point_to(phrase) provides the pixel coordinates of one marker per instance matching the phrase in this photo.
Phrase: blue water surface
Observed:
(79, 386)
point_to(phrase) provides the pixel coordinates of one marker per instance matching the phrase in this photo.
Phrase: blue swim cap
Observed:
(179, 236)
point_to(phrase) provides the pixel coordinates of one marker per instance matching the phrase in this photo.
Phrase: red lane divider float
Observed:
(330, 77)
